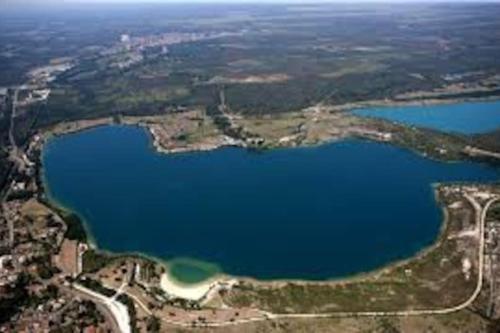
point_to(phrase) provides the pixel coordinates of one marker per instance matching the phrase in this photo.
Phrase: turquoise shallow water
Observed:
(189, 271)
(311, 213)
(465, 118)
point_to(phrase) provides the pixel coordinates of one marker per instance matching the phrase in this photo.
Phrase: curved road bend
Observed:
(116, 310)
(106, 312)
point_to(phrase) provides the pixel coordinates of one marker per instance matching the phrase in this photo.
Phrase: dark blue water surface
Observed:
(465, 118)
(311, 213)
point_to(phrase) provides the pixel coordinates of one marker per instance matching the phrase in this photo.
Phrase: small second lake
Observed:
(309, 213)
(464, 118)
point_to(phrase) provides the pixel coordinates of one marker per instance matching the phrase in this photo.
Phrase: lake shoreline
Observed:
(180, 287)
(377, 129)
(75, 127)
(327, 281)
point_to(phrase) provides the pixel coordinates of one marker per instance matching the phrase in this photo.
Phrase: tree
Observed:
(153, 324)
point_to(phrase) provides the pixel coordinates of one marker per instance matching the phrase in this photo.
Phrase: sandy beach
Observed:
(193, 292)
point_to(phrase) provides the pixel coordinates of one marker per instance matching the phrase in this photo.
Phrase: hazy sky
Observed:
(55, 2)
(230, 1)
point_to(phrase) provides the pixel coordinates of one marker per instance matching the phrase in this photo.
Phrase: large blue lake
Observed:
(464, 118)
(311, 213)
